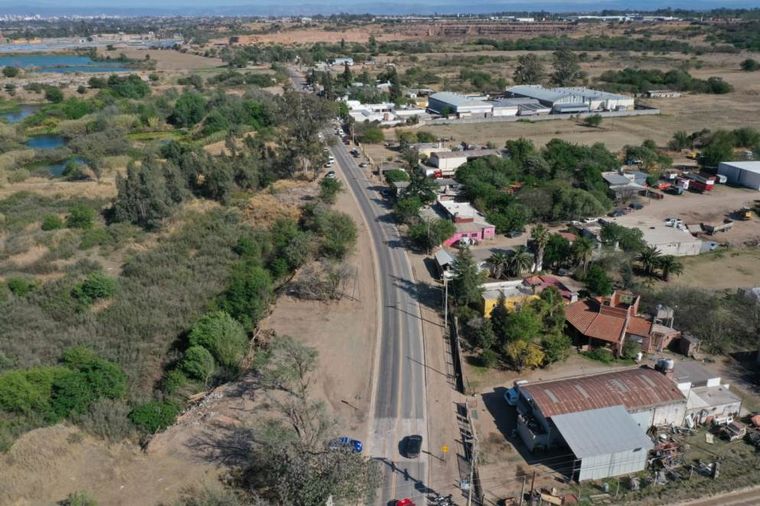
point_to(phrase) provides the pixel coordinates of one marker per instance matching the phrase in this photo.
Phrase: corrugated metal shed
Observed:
(635, 389)
(456, 99)
(601, 432)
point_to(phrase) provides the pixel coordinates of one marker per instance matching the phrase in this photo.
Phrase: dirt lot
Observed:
(168, 60)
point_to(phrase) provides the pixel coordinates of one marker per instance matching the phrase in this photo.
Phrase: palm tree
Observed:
(582, 251)
(499, 261)
(540, 236)
(669, 265)
(519, 261)
(649, 257)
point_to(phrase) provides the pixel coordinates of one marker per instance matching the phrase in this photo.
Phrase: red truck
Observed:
(701, 183)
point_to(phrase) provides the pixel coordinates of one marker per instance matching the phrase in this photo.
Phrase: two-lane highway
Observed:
(398, 400)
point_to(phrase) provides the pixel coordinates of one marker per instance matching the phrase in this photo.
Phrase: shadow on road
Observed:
(426, 294)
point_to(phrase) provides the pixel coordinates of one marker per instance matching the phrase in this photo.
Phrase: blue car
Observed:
(354, 445)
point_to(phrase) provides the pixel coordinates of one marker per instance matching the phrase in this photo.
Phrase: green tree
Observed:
(329, 189)
(524, 354)
(630, 349)
(222, 336)
(371, 135)
(346, 77)
(10, 71)
(189, 109)
(566, 68)
(396, 175)
(649, 258)
(720, 149)
(539, 234)
(96, 286)
(53, 94)
(80, 216)
(105, 378)
(556, 347)
(499, 264)
(372, 44)
(593, 121)
(336, 231)
(558, 251)
(529, 70)
(597, 281)
(407, 209)
(519, 261)
(680, 140)
(669, 265)
(70, 394)
(465, 286)
(427, 233)
(198, 363)
(748, 65)
(247, 297)
(582, 250)
(154, 416)
(143, 196)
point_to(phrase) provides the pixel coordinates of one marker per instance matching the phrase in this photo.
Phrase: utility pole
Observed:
(522, 490)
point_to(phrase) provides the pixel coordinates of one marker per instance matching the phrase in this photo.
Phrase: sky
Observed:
(306, 7)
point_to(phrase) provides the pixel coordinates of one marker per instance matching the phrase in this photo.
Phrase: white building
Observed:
(448, 161)
(669, 240)
(446, 102)
(560, 99)
(741, 173)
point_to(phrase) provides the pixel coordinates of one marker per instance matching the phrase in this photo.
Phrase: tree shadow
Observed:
(428, 295)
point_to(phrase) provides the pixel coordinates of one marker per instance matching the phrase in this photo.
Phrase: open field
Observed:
(167, 60)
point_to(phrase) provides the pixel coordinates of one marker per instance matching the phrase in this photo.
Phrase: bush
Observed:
(223, 336)
(396, 175)
(750, 65)
(198, 363)
(371, 135)
(96, 286)
(107, 419)
(52, 222)
(105, 378)
(329, 189)
(248, 295)
(631, 349)
(71, 394)
(593, 121)
(78, 499)
(154, 415)
(21, 287)
(601, 354)
(80, 216)
(9, 71)
(53, 94)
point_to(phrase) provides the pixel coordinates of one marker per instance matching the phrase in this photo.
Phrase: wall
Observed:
(680, 248)
(543, 117)
(613, 464)
(670, 414)
(739, 176)
(510, 303)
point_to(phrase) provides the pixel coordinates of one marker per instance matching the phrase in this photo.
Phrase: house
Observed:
(622, 184)
(446, 103)
(448, 161)
(540, 283)
(670, 239)
(569, 99)
(706, 396)
(444, 262)
(745, 174)
(515, 294)
(469, 223)
(602, 418)
(610, 321)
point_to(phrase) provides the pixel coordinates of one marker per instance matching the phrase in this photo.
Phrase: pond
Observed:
(46, 142)
(19, 114)
(60, 63)
(57, 169)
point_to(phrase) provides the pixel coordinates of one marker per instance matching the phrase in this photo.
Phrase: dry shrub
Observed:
(323, 281)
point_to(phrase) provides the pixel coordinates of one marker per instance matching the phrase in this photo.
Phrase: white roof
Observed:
(748, 166)
(456, 99)
(601, 432)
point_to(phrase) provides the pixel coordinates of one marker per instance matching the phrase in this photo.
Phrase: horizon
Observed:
(388, 7)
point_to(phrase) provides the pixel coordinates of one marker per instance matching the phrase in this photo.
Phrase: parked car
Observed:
(330, 175)
(364, 165)
(512, 395)
(403, 502)
(411, 446)
(636, 205)
(345, 442)
(517, 232)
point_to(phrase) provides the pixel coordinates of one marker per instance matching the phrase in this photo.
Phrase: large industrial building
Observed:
(741, 173)
(446, 102)
(602, 419)
(573, 100)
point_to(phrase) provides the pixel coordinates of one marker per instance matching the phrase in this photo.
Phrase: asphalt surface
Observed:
(399, 398)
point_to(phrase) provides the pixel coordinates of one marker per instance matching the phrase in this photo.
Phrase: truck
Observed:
(701, 183)
(712, 228)
(745, 213)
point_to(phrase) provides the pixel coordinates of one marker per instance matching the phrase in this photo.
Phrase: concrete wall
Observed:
(542, 117)
(613, 464)
(680, 248)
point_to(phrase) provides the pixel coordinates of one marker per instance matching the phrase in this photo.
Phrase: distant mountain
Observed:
(295, 8)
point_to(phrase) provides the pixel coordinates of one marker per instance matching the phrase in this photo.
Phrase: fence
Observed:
(545, 117)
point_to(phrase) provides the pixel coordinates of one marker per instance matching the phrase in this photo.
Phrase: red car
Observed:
(404, 502)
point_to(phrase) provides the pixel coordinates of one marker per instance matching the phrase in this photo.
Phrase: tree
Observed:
(372, 44)
(336, 230)
(189, 110)
(10, 72)
(720, 149)
(593, 121)
(748, 65)
(154, 416)
(669, 265)
(680, 140)
(558, 251)
(143, 197)
(347, 77)
(80, 216)
(630, 349)
(520, 149)
(96, 286)
(524, 323)
(395, 89)
(371, 135)
(524, 354)
(649, 258)
(519, 261)
(329, 189)
(466, 284)
(540, 237)
(407, 209)
(556, 347)
(566, 68)
(429, 233)
(53, 94)
(222, 336)
(529, 70)
(582, 249)
(247, 297)
(597, 281)
(498, 262)
(198, 363)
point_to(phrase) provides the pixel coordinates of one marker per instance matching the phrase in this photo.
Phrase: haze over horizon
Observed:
(295, 7)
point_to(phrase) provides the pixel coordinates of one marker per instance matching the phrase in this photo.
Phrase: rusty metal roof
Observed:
(635, 389)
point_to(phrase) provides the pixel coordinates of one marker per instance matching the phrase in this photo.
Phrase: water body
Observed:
(60, 63)
(56, 169)
(46, 142)
(18, 115)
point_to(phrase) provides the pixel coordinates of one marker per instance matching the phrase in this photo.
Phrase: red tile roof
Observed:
(592, 319)
(635, 389)
(639, 326)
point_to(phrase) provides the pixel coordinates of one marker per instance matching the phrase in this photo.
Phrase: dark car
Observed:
(411, 446)
(346, 442)
(517, 232)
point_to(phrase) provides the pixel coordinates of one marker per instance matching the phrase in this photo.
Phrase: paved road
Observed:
(399, 397)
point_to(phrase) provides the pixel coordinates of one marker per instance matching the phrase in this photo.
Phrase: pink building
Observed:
(468, 222)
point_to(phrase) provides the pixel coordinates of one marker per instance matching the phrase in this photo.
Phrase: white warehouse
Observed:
(446, 102)
(559, 98)
(745, 174)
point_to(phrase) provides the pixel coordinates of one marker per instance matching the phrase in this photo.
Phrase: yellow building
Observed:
(515, 294)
